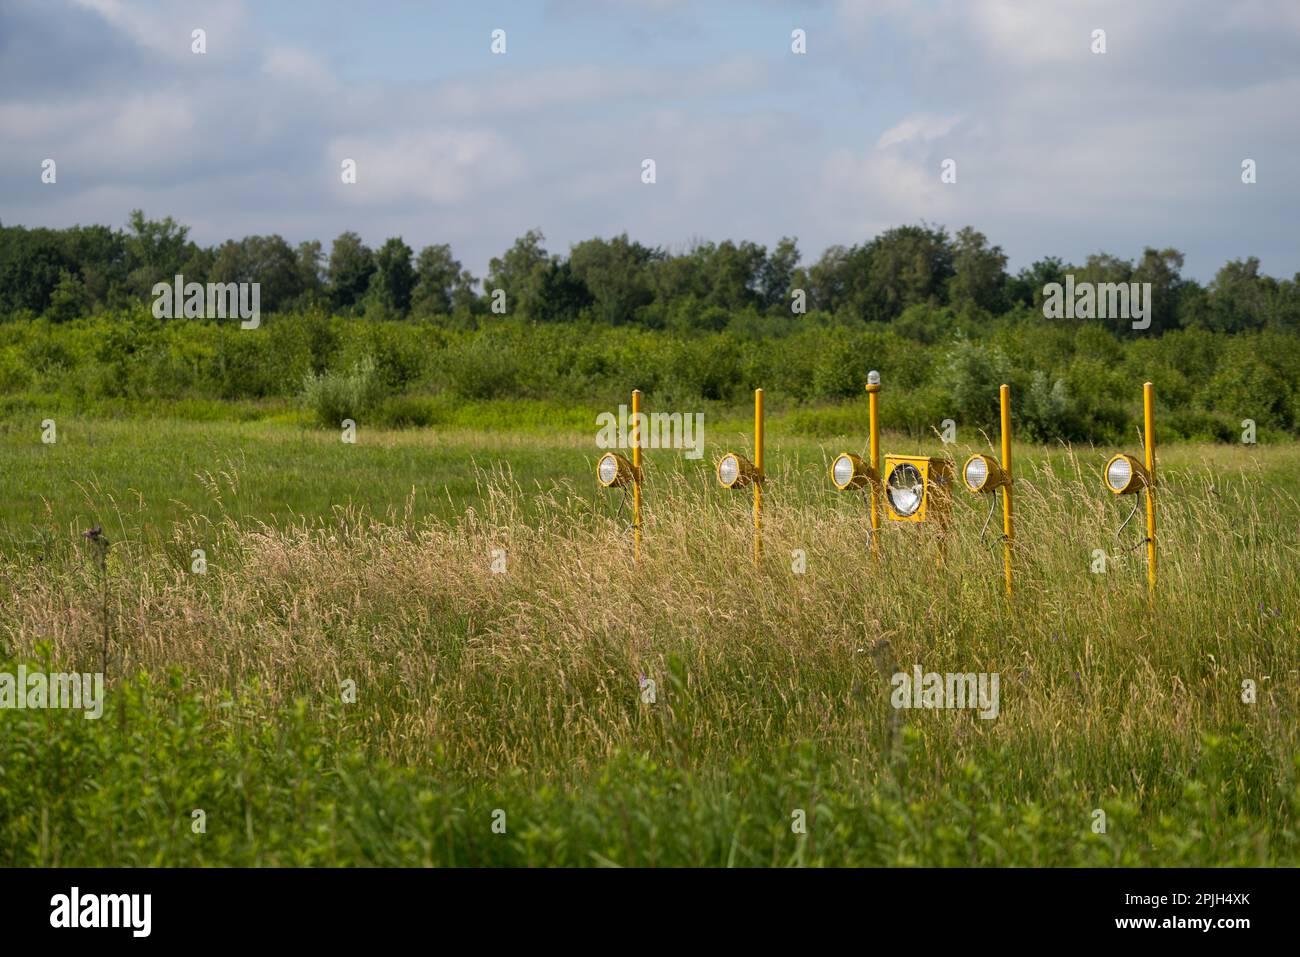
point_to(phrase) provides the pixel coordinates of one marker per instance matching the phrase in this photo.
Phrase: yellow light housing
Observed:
(982, 473)
(849, 471)
(736, 471)
(917, 488)
(614, 471)
(1125, 474)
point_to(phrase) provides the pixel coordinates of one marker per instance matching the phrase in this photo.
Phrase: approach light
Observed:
(982, 473)
(735, 471)
(614, 471)
(850, 471)
(1126, 475)
(916, 487)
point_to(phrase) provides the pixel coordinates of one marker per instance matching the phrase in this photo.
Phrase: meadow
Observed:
(351, 682)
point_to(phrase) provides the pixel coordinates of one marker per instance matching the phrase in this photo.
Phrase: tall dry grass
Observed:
(539, 667)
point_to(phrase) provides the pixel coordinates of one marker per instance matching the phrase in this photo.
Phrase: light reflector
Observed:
(614, 471)
(1119, 473)
(849, 471)
(1125, 474)
(728, 470)
(905, 489)
(982, 473)
(735, 471)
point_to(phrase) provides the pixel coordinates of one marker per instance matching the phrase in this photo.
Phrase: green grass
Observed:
(519, 692)
(139, 476)
(165, 780)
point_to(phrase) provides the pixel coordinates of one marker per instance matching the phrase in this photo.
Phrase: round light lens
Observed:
(843, 471)
(607, 469)
(728, 470)
(977, 473)
(1118, 474)
(905, 489)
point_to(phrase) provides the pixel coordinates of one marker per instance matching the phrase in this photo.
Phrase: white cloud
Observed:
(534, 89)
(165, 29)
(437, 166)
(922, 127)
(1058, 151)
(297, 66)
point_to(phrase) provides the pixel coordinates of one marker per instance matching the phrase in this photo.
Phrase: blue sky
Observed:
(1059, 151)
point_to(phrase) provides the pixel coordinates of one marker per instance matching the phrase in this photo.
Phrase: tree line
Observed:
(62, 274)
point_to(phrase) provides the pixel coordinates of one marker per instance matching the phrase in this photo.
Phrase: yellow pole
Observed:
(1149, 442)
(1008, 527)
(873, 411)
(636, 474)
(758, 479)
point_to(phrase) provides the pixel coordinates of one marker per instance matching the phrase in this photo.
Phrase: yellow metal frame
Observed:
(998, 476)
(877, 487)
(629, 473)
(936, 480)
(868, 472)
(1008, 525)
(1149, 447)
(1142, 477)
(636, 475)
(750, 473)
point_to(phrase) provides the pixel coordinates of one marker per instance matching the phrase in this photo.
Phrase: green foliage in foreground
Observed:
(288, 787)
(518, 692)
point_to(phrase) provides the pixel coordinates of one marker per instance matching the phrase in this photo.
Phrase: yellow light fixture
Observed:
(614, 471)
(849, 471)
(982, 473)
(1125, 474)
(917, 488)
(736, 471)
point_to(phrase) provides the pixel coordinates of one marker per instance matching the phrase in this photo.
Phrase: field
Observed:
(351, 682)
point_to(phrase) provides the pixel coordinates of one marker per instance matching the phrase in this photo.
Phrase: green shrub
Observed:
(1073, 382)
(1046, 412)
(483, 367)
(165, 778)
(335, 396)
(407, 411)
(972, 374)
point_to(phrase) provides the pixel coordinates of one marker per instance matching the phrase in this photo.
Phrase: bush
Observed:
(1046, 411)
(1072, 381)
(1246, 385)
(407, 411)
(1199, 427)
(335, 396)
(972, 374)
(486, 366)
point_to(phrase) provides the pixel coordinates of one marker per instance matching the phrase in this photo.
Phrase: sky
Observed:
(1058, 150)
